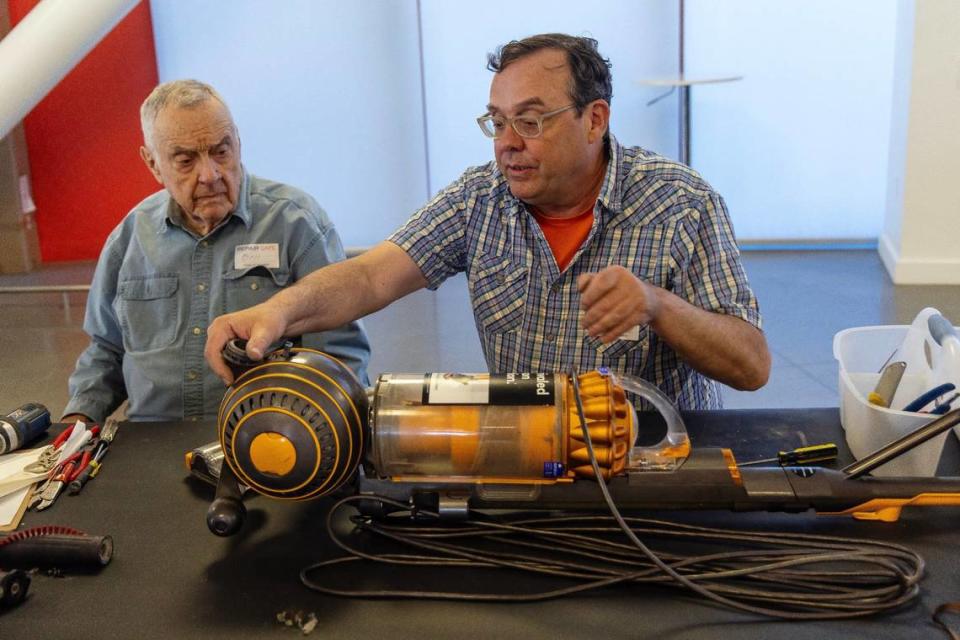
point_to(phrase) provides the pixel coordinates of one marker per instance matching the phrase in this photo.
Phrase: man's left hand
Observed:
(614, 301)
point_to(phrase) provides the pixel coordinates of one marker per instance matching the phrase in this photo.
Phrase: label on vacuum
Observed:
(500, 389)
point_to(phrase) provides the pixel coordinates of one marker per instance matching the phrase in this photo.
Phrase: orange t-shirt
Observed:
(565, 235)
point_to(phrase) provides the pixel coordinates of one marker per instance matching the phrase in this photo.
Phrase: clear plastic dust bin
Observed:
(861, 353)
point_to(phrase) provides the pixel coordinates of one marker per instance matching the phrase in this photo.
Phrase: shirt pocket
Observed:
(244, 288)
(627, 356)
(148, 309)
(498, 290)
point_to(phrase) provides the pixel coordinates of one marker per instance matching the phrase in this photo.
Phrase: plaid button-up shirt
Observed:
(653, 216)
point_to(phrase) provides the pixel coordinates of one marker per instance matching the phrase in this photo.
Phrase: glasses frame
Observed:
(487, 117)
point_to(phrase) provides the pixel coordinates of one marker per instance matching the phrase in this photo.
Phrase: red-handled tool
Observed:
(53, 489)
(90, 470)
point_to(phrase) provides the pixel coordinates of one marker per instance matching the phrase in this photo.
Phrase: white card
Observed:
(256, 255)
(633, 333)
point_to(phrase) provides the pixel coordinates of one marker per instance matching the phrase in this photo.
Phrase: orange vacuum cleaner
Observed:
(299, 425)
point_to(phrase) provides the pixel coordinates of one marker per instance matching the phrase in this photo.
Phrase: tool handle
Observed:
(929, 396)
(77, 483)
(82, 466)
(64, 435)
(940, 328)
(806, 455)
(62, 551)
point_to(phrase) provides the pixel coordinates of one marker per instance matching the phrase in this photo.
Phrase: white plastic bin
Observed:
(861, 353)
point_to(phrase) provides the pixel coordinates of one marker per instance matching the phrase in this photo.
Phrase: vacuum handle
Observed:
(226, 513)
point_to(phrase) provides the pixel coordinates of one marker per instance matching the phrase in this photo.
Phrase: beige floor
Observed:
(806, 297)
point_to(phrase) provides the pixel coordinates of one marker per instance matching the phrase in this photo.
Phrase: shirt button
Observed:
(205, 244)
(191, 375)
(201, 287)
(551, 337)
(197, 331)
(254, 286)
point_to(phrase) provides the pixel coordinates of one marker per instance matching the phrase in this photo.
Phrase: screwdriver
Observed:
(803, 455)
(91, 469)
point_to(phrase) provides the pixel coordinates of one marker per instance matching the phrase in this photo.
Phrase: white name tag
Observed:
(256, 255)
(633, 333)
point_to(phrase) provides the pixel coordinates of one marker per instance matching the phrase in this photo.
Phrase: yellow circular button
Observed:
(254, 286)
(272, 453)
(197, 331)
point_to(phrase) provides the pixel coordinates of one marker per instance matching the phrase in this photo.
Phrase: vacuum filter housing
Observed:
(293, 426)
(298, 425)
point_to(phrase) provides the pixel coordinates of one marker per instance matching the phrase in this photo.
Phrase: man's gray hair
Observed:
(183, 94)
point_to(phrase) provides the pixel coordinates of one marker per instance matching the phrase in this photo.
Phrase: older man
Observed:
(215, 240)
(578, 251)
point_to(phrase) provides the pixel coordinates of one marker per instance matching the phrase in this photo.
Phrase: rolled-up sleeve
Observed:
(717, 280)
(434, 237)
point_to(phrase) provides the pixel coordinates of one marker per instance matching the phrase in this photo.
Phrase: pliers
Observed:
(61, 474)
(926, 398)
(53, 489)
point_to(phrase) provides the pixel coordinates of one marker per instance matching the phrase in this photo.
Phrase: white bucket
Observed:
(861, 353)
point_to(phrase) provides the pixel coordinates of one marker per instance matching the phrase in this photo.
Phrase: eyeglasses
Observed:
(525, 126)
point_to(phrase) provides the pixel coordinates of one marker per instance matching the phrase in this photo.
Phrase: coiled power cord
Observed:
(789, 576)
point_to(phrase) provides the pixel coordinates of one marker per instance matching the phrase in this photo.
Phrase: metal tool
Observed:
(52, 491)
(46, 462)
(882, 394)
(38, 492)
(801, 456)
(93, 466)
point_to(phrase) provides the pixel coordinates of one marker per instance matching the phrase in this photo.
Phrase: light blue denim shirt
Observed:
(158, 286)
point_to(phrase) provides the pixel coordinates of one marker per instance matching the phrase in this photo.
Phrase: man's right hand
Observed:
(261, 326)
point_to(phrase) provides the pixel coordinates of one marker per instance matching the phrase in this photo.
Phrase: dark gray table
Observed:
(170, 578)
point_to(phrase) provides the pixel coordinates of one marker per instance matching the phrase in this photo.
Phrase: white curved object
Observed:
(45, 46)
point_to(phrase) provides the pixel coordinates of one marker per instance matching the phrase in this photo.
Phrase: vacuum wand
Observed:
(902, 445)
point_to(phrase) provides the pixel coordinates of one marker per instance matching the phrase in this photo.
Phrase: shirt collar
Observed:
(610, 196)
(174, 216)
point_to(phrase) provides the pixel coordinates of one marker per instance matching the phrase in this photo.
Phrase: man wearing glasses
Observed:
(579, 252)
(215, 239)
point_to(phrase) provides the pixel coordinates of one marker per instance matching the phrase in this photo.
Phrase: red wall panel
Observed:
(83, 140)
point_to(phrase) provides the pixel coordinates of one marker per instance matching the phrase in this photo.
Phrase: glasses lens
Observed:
(527, 126)
(491, 126)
